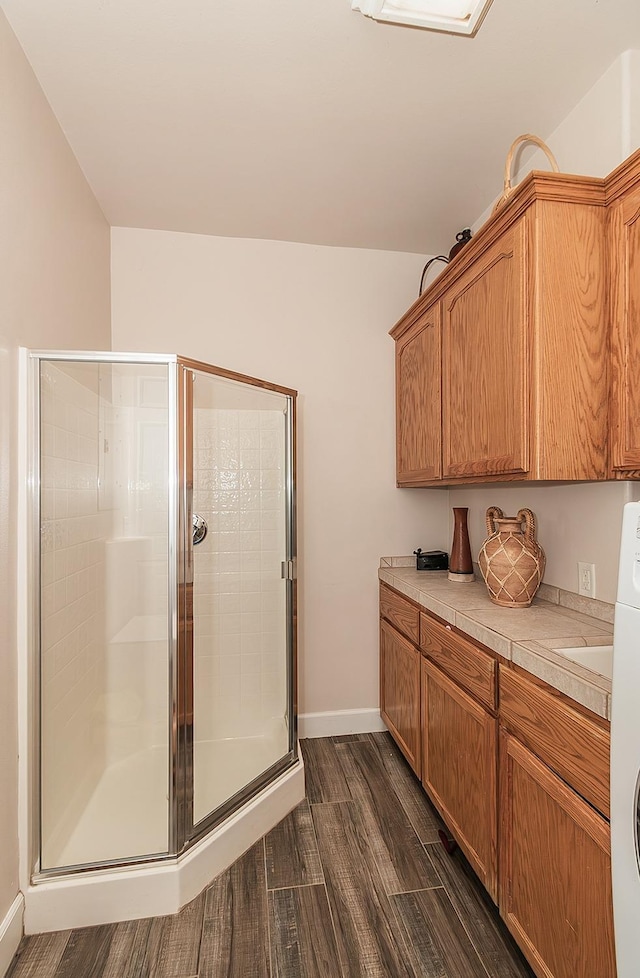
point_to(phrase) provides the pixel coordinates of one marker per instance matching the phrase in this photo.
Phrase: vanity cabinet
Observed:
(520, 775)
(459, 741)
(459, 768)
(400, 674)
(523, 310)
(554, 851)
(555, 870)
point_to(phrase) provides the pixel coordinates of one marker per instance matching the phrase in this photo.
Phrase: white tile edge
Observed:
(334, 724)
(11, 930)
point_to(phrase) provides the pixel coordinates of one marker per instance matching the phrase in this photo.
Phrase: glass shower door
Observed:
(238, 465)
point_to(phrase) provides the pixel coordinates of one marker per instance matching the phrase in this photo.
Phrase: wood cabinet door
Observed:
(400, 692)
(485, 370)
(555, 870)
(459, 759)
(624, 231)
(418, 406)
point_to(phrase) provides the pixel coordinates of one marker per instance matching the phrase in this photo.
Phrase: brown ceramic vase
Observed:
(511, 559)
(460, 561)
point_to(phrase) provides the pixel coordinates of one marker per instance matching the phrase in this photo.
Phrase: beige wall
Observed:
(54, 292)
(315, 319)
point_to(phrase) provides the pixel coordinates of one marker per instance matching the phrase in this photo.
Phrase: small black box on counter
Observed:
(431, 560)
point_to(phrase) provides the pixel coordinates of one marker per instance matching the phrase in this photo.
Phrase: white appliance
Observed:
(625, 750)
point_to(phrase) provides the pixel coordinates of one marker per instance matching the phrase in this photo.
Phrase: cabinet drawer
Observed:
(400, 612)
(464, 662)
(574, 746)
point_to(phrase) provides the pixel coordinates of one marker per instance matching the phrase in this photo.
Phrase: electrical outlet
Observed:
(586, 579)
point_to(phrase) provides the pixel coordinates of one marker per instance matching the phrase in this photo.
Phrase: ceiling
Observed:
(288, 120)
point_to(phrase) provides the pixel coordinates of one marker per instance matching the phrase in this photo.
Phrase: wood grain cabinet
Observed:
(418, 416)
(554, 849)
(520, 775)
(459, 768)
(524, 347)
(555, 870)
(485, 369)
(624, 250)
(400, 677)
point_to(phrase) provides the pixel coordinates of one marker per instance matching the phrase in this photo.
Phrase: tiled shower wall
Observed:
(72, 610)
(239, 596)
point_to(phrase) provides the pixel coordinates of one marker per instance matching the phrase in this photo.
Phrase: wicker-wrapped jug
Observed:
(511, 559)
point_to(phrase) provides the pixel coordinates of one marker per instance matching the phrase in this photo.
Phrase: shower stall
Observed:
(160, 686)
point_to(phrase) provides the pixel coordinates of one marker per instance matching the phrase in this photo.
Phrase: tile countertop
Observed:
(527, 636)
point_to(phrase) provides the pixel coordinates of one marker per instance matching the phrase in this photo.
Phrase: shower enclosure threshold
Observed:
(164, 887)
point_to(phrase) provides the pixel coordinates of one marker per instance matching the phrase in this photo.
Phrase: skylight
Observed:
(453, 16)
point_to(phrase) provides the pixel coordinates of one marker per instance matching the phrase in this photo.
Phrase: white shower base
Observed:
(109, 895)
(223, 767)
(127, 813)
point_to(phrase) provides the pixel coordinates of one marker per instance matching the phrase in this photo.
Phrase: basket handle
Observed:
(526, 137)
(526, 516)
(493, 513)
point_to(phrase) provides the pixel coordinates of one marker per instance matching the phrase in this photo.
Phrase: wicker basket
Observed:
(526, 137)
(511, 560)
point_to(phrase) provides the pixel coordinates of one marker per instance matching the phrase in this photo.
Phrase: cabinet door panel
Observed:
(625, 309)
(555, 872)
(400, 692)
(418, 405)
(459, 768)
(485, 363)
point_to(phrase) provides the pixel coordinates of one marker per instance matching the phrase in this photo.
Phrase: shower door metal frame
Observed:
(189, 831)
(182, 832)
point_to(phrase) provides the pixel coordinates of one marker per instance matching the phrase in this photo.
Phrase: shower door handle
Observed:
(200, 528)
(288, 570)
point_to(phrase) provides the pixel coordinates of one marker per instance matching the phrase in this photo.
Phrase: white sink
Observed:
(596, 657)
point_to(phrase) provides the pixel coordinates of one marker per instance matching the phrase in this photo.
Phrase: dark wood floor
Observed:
(354, 882)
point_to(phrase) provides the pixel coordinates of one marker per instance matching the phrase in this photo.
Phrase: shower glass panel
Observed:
(240, 475)
(105, 437)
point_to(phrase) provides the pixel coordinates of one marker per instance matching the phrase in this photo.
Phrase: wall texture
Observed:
(315, 319)
(54, 293)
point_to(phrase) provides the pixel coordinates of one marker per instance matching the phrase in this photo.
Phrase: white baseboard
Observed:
(339, 722)
(11, 933)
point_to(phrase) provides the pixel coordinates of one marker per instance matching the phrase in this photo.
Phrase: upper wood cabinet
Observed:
(624, 250)
(418, 415)
(524, 383)
(484, 367)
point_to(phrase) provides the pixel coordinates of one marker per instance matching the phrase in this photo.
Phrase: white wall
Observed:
(315, 319)
(577, 522)
(54, 292)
